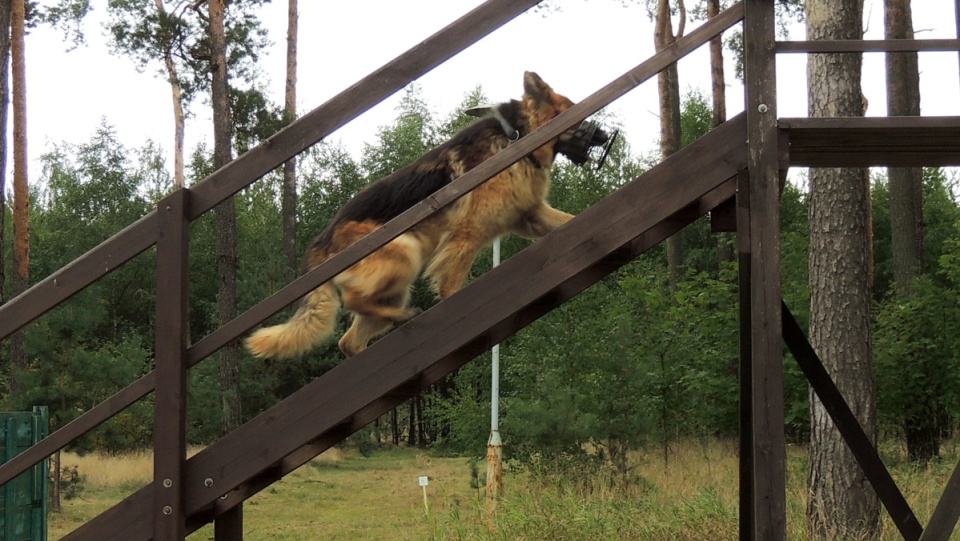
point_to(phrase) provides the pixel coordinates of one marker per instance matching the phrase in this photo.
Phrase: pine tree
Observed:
(841, 502)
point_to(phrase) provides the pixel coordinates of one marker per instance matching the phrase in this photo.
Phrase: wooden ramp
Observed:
(550, 272)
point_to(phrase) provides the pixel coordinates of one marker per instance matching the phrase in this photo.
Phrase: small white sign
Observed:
(424, 480)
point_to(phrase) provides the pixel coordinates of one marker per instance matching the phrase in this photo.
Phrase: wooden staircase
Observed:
(550, 272)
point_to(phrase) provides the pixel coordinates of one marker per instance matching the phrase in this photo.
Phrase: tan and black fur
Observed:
(443, 247)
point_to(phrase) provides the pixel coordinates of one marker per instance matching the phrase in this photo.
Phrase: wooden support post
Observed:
(768, 440)
(170, 418)
(746, 358)
(229, 525)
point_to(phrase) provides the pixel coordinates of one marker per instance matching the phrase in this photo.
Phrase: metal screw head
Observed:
(208, 482)
(167, 510)
(167, 483)
(763, 108)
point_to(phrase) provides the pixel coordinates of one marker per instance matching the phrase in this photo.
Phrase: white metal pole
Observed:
(495, 366)
(494, 445)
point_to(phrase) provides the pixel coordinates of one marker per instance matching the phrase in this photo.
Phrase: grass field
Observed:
(342, 495)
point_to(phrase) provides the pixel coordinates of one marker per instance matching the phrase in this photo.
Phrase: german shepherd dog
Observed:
(377, 289)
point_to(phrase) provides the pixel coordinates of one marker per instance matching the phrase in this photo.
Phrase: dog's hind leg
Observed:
(366, 328)
(449, 269)
(377, 287)
(361, 332)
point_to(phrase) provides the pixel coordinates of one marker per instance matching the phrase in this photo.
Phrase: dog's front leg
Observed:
(541, 221)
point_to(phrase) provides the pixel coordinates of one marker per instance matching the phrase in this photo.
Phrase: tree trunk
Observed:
(5, 7)
(226, 220)
(906, 205)
(841, 502)
(289, 196)
(395, 425)
(55, 497)
(668, 87)
(421, 424)
(178, 115)
(412, 434)
(21, 192)
(717, 81)
(725, 241)
(906, 184)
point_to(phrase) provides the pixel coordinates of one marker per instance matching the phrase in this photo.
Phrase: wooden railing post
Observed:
(170, 433)
(768, 449)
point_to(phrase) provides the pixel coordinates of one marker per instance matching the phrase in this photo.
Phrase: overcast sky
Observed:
(577, 49)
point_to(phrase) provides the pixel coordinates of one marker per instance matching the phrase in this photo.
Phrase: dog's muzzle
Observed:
(578, 145)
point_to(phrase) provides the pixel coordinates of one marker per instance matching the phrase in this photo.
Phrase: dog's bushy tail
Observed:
(315, 320)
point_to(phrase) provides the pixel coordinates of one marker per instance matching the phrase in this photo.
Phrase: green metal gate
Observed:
(23, 501)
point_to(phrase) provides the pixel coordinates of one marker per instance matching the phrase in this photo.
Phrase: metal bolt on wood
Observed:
(167, 483)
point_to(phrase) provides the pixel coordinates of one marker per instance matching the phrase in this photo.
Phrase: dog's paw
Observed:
(409, 314)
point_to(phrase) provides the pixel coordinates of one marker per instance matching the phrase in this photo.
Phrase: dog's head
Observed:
(540, 104)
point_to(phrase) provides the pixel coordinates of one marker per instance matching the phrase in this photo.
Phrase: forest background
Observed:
(637, 360)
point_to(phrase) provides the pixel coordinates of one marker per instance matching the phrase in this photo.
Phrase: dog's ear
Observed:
(533, 85)
(480, 111)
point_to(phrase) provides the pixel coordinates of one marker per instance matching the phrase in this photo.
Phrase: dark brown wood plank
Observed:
(170, 405)
(848, 426)
(464, 184)
(229, 525)
(872, 141)
(868, 46)
(746, 359)
(262, 159)
(766, 345)
(944, 519)
(453, 326)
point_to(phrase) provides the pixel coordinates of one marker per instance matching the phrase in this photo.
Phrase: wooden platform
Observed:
(871, 141)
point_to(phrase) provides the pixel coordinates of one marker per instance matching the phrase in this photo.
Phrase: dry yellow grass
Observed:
(114, 470)
(344, 496)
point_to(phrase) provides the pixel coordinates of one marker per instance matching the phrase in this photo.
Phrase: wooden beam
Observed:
(769, 441)
(944, 519)
(746, 473)
(872, 141)
(170, 406)
(868, 45)
(846, 422)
